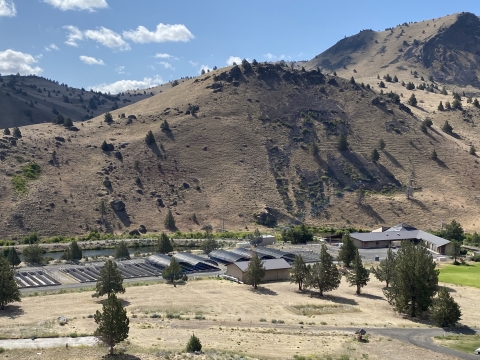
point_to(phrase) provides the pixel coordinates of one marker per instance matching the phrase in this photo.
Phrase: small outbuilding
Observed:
(275, 269)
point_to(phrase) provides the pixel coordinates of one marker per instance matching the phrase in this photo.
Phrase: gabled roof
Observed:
(270, 264)
(400, 235)
(401, 227)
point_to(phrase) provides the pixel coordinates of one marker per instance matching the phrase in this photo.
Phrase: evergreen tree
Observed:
(169, 221)
(68, 123)
(33, 254)
(476, 103)
(103, 209)
(8, 287)
(434, 155)
(352, 80)
(347, 251)
(173, 271)
(359, 276)
(255, 270)
(385, 270)
(105, 146)
(6, 131)
(324, 275)
(415, 280)
(16, 132)
(209, 245)
(163, 244)
(447, 105)
(454, 232)
(108, 118)
(121, 251)
(413, 100)
(381, 144)
(113, 323)
(150, 138)
(445, 312)
(375, 155)
(472, 150)
(194, 344)
(110, 280)
(381, 85)
(165, 126)
(13, 258)
(447, 128)
(444, 91)
(440, 107)
(299, 271)
(342, 143)
(73, 252)
(395, 78)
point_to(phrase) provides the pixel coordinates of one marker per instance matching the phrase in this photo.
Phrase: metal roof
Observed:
(226, 257)
(402, 226)
(400, 235)
(194, 263)
(158, 260)
(274, 254)
(247, 253)
(269, 264)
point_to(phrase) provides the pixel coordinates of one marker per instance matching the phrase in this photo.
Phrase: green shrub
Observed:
(194, 344)
(476, 258)
(263, 320)
(19, 184)
(31, 171)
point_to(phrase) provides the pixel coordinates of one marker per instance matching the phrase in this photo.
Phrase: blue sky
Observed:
(115, 45)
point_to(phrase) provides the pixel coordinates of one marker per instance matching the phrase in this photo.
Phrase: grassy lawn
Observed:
(467, 275)
(465, 343)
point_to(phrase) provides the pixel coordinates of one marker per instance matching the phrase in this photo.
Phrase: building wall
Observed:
(371, 244)
(270, 275)
(233, 270)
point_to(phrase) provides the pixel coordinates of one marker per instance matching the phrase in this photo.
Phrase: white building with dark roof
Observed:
(398, 233)
(275, 269)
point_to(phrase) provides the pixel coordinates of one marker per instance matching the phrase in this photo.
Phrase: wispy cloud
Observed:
(102, 35)
(233, 59)
(89, 5)
(272, 57)
(74, 35)
(163, 33)
(166, 65)
(120, 69)
(193, 63)
(7, 8)
(165, 56)
(91, 60)
(125, 85)
(12, 62)
(51, 47)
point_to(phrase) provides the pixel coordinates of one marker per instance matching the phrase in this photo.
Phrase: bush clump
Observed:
(194, 344)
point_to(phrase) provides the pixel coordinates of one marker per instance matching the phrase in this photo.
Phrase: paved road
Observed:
(48, 342)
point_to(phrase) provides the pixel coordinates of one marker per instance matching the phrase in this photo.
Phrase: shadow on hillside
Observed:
(372, 297)
(431, 136)
(441, 163)
(462, 329)
(336, 299)
(123, 217)
(392, 159)
(263, 291)
(419, 203)
(155, 149)
(371, 212)
(121, 357)
(169, 134)
(385, 172)
(11, 311)
(455, 135)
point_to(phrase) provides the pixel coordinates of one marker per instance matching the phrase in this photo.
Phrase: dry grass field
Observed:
(232, 318)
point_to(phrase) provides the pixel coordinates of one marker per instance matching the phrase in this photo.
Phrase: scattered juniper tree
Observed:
(108, 118)
(169, 221)
(255, 270)
(194, 344)
(299, 271)
(68, 123)
(150, 138)
(434, 155)
(324, 275)
(360, 195)
(476, 103)
(8, 287)
(6, 131)
(73, 252)
(33, 254)
(415, 280)
(165, 126)
(440, 107)
(412, 100)
(375, 155)
(173, 271)
(381, 144)
(13, 257)
(113, 322)
(110, 280)
(358, 276)
(445, 312)
(16, 132)
(472, 150)
(348, 250)
(163, 244)
(342, 143)
(385, 270)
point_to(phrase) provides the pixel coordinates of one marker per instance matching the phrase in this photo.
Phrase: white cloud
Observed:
(51, 47)
(163, 33)
(272, 57)
(166, 65)
(7, 8)
(204, 67)
(74, 35)
(120, 69)
(91, 60)
(233, 59)
(108, 38)
(125, 85)
(12, 62)
(89, 5)
(194, 64)
(165, 56)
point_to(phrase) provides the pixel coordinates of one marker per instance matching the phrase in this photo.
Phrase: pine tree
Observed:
(434, 155)
(375, 155)
(342, 143)
(440, 107)
(415, 280)
(413, 100)
(105, 146)
(347, 251)
(165, 126)
(194, 344)
(68, 123)
(299, 271)
(445, 312)
(110, 280)
(6, 131)
(8, 287)
(163, 244)
(447, 105)
(352, 80)
(113, 323)
(381, 144)
(149, 138)
(447, 128)
(121, 251)
(108, 118)
(33, 254)
(472, 150)
(386, 268)
(13, 258)
(173, 271)
(103, 209)
(16, 132)
(73, 252)
(169, 221)
(324, 275)
(476, 103)
(255, 270)
(359, 276)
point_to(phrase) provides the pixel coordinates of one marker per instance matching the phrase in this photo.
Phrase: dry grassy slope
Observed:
(247, 148)
(14, 104)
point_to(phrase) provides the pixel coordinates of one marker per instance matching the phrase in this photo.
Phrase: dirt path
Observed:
(47, 342)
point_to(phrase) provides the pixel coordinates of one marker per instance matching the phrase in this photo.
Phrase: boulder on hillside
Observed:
(133, 117)
(134, 232)
(59, 138)
(73, 128)
(160, 203)
(117, 205)
(142, 229)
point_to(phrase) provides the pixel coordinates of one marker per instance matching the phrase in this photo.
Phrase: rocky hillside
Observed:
(234, 144)
(444, 50)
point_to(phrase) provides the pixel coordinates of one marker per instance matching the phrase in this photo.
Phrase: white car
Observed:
(477, 352)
